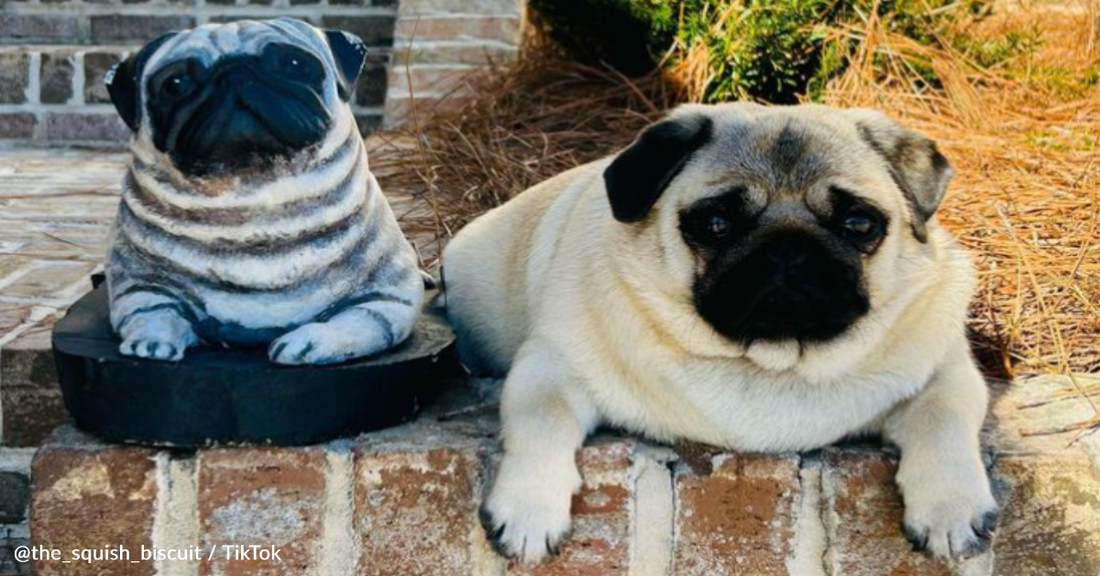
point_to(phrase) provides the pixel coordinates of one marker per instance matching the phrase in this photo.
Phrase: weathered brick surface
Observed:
(863, 518)
(96, 65)
(87, 495)
(17, 125)
(415, 509)
(14, 75)
(452, 53)
(15, 493)
(56, 77)
(371, 89)
(448, 7)
(451, 80)
(499, 28)
(47, 279)
(374, 30)
(29, 395)
(368, 123)
(1050, 520)
(261, 496)
(735, 513)
(20, 28)
(135, 27)
(81, 127)
(399, 107)
(599, 544)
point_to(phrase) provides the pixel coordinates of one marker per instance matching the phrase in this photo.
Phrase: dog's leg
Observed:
(949, 507)
(545, 420)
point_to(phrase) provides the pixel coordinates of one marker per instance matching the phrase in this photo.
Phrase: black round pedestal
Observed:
(237, 397)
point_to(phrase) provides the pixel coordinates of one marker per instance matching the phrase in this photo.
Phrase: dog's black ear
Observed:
(916, 165)
(640, 174)
(349, 52)
(123, 82)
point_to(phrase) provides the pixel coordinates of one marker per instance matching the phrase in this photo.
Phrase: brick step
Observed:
(404, 502)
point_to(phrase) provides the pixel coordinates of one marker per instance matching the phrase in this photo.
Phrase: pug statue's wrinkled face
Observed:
(224, 97)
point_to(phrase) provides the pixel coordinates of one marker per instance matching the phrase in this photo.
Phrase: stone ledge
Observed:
(404, 501)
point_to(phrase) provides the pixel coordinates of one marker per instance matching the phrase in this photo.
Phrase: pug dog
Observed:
(757, 278)
(249, 216)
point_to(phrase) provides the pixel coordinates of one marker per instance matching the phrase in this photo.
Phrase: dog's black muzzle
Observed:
(242, 111)
(787, 285)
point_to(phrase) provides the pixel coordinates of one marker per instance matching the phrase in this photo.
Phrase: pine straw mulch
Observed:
(1027, 152)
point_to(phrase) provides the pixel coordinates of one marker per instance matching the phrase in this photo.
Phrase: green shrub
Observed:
(771, 50)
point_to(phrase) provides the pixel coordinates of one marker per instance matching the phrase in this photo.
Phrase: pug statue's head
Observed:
(222, 97)
(782, 224)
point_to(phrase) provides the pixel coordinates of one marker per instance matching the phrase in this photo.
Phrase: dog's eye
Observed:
(859, 224)
(178, 85)
(718, 225)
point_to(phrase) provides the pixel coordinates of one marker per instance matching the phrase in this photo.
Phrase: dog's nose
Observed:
(786, 255)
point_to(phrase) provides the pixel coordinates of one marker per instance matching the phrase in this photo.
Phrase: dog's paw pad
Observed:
(529, 536)
(958, 538)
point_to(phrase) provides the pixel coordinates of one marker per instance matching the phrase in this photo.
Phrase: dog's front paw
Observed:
(157, 337)
(950, 523)
(526, 516)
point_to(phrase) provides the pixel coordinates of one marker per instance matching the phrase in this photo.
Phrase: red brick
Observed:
(30, 396)
(599, 544)
(262, 496)
(453, 53)
(864, 515)
(50, 27)
(398, 109)
(14, 76)
(500, 28)
(373, 30)
(415, 510)
(736, 517)
(109, 28)
(56, 77)
(486, 7)
(87, 495)
(17, 125)
(1050, 519)
(77, 127)
(433, 80)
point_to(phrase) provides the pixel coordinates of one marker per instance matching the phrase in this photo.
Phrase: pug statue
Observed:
(757, 278)
(249, 216)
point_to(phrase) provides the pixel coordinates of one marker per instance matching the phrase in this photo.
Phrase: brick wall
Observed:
(54, 53)
(404, 502)
(439, 44)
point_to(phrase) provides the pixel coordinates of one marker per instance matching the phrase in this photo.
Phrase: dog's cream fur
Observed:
(593, 321)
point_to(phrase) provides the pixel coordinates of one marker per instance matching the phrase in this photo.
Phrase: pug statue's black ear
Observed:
(639, 175)
(349, 52)
(124, 82)
(916, 165)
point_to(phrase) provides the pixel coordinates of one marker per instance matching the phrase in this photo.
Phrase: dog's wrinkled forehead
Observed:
(211, 42)
(784, 151)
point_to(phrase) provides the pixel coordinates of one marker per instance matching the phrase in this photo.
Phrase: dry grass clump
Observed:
(1023, 133)
(542, 115)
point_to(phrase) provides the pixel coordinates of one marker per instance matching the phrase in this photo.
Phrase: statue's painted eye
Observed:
(178, 85)
(292, 64)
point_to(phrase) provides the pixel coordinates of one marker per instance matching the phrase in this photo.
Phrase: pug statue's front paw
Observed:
(159, 335)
